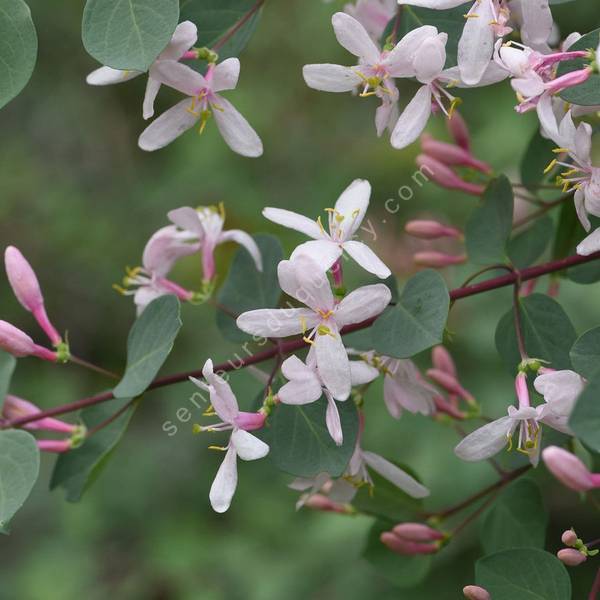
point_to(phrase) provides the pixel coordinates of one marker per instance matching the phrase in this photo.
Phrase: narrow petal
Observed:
(248, 446)
(362, 304)
(152, 89)
(168, 127)
(236, 131)
(485, 441)
(188, 219)
(537, 22)
(330, 78)
(245, 240)
(294, 369)
(590, 244)
(332, 419)
(304, 279)
(223, 487)
(354, 37)
(476, 45)
(323, 252)
(413, 120)
(400, 60)
(352, 205)
(300, 392)
(178, 76)
(395, 475)
(361, 372)
(267, 322)
(293, 220)
(226, 75)
(436, 4)
(430, 59)
(164, 249)
(333, 364)
(109, 76)
(367, 259)
(184, 37)
(221, 395)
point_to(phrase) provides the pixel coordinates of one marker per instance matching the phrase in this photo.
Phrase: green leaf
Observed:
(568, 233)
(128, 34)
(585, 274)
(18, 48)
(588, 93)
(417, 322)
(585, 354)
(489, 226)
(585, 418)
(537, 157)
(76, 470)
(526, 247)
(150, 341)
(19, 470)
(301, 444)
(7, 367)
(547, 331)
(214, 18)
(523, 574)
(248, 289)
(401, 571)
(517, 519)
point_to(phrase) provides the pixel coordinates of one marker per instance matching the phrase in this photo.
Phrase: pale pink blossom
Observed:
(569, 469)
(241, 443)
(560, 390)
(417, 532)
(569, 537)
(571, 557)
(373, 15)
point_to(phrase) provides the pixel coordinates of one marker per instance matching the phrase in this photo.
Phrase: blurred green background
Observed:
(80, 200)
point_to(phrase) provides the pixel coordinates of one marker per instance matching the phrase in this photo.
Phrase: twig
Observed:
(227, 36)
(92, 367)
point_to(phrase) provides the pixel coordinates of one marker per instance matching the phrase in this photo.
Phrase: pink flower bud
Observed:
(451, 155)
(438, 260)
(450, 384)
(569, 538)
(446, 177)
(431, 230)
(459, 131)
(443, 361)
(569, 80)
(19, 344)
(250, 421)
(16, 408)
(417, 532)
(522, 390)
(26, 288)
(400, 546)
(474, 592)
(569, 470)
(56, 446)
(571, 557)
(323, 503)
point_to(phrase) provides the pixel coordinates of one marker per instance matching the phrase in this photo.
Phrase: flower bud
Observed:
(571, 557)
(250, 421)
(323, 503)
(417, 532)
(451, 155)
(19, 344)
(17, 408)
(431, 230)
(569, 80)
(569, 538)
(459, 131)
(443, 361)
(474, 592)
(26, 288)
(401, 546)
(568, 469)
(450, 384)
(56, 446)
(438, 260)
(446, 177)
(522, 390)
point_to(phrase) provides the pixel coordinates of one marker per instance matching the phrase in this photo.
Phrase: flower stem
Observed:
(92, 367)
(229, 34)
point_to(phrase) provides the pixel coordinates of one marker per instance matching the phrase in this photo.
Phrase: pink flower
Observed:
(417, 532)
(438, 260)
(451, 155)
(444, 176)
(569, 469)
(19, 344)
(474, 592)
(571, 557)
(54, 446)
(26, 288)
(431, 230)
(16, 408)
(404, 547)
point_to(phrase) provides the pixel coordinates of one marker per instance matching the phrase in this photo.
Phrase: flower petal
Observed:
(361, 372)
(304, 279)
(429, 61)
(362, 304)
(435, 4)
(293, 220)
(184, 37)
(332, 420)
(152, 89)
(590, 244)
(221, 395)
(324, 253)
(485, 441)
(248, 446)
(413, 120)
(400, 60)
(274, 322)
(476, 45)
(354, 37)
(330, 78)
(333, 364)
(353, 205)
(236, 131)
(109, 76)
(226, 75)
(395, 475)
(168, 127)
(537, 22)
(294, 369)
(299, 392)
(178, 76)
(188, 219)
(245, 240)
(164, 248)
(367, 259)
(223, 487)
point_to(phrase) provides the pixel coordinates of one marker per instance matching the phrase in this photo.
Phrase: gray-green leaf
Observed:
(585, 354)
(585, 418)
(588, 93)
(7, 367)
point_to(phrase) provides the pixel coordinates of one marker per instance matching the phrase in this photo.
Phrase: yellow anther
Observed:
(197, 428)
(324, 330)
(222, 210)
(471, 16)
(119, 289)
(570, 172)
(325, 315)
(320, 224)
(550, 167)
(510, 443)
(308, 341)
(560, 150)
(338, 217)
(330, 210)
(456, 102)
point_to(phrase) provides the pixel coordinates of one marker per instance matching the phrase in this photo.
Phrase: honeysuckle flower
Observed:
(373, 15)
(241, 443)
(26, 288)
(184, 37)
(204, 101)
(205, 224)
(303, 279)
(569, 469)
(16, 408)
(534, 74)
(560, 390)
(344, 221)
(19, 344)
(305, 386)
(475, 592)
(150, 281)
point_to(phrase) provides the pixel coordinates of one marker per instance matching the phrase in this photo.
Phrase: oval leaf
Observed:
(585, 418)
(417, 322)
(150, 341)
(19, 469)
(7, 367)
(128, 34)
(585, 354)
(18, 48)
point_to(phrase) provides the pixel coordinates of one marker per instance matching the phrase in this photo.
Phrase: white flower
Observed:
(183, 39)
(404, 388)
(205, 224)
(374, 15)
(306, 386)
(204, 100)
(303, 279)
(344, 221)
(242, 444)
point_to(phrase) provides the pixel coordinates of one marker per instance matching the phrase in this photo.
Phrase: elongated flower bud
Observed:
(26, 288)
(401, 546)
(443, 361)
(451, 155)
(459, 131)
(250, 421)
(569, 80)
(445, 176)
(431, 230)
(474, 592)
(571, 557)
(522, 390)
(569, 470)
(19, 344)
(16, 408)
(417, 532)
(569, 538)
(450, 384)
(55, 446)
(323, 503)
(438, 260)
